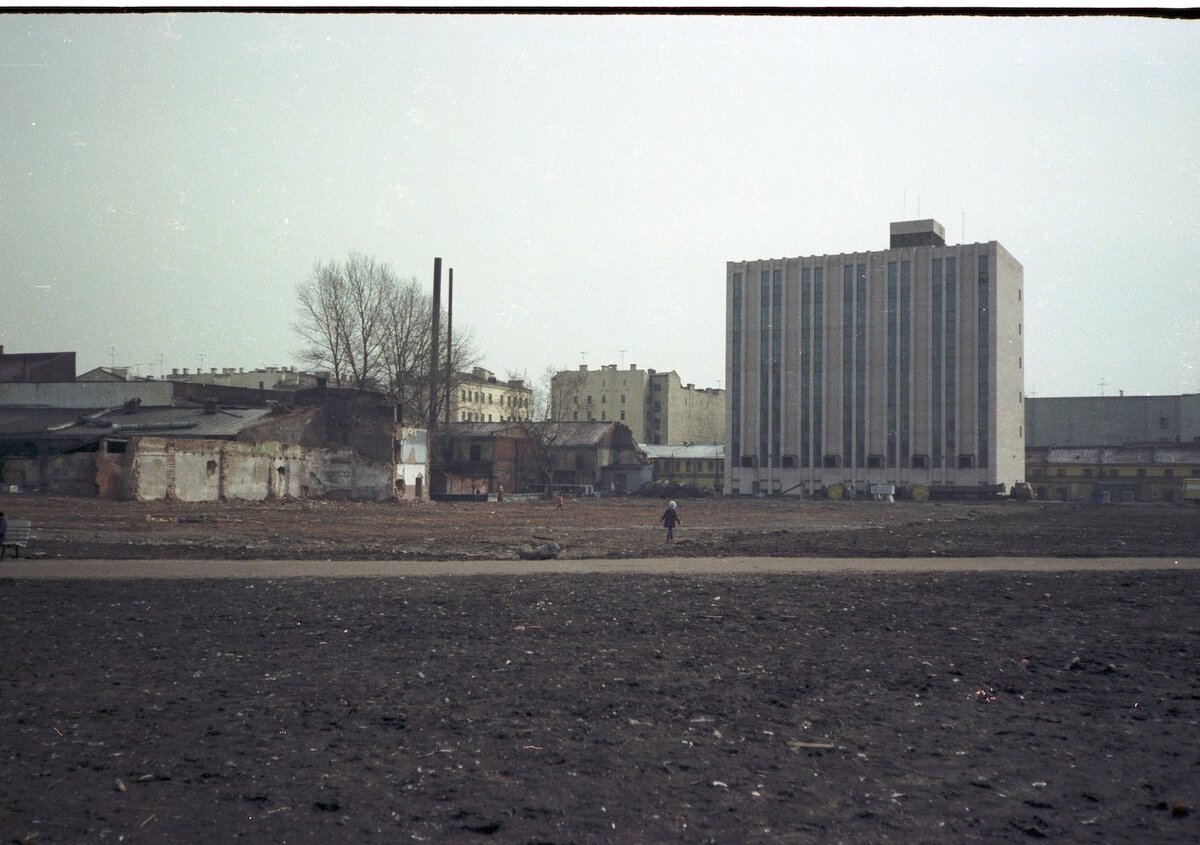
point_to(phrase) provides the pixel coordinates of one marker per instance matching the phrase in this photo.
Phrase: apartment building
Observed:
(481, 397)
(900, 366)
(658, 407)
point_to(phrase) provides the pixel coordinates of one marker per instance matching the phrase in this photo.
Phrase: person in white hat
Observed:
(670, 518)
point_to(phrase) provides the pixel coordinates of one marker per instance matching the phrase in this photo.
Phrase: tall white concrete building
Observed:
(900, 366)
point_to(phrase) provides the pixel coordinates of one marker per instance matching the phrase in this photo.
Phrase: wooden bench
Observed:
(16, 537)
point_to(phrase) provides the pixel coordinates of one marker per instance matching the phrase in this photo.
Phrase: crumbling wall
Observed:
(210, 470)
(69, 475)
(344, 473)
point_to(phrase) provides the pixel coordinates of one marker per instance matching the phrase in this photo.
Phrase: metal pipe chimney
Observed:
(449, 339)
(433, 348)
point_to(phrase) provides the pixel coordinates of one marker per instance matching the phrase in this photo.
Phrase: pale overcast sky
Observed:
(166, 180)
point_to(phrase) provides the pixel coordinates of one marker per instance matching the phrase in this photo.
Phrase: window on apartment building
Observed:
(622, 415)
(789, 461)
(658, 406)
(589, 400)
(603, 398)
(831, 461)
(966, 461)
(604, 416)
(575, 415)
(874, 461)
(622, 398)
(748, 460)
(920, 461)
(1162, 422)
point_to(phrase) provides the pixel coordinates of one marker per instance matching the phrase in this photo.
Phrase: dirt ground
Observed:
(902, 707)
(933, 708)
(599, 528)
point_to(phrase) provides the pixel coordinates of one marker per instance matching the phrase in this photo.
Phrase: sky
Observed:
(168, 179)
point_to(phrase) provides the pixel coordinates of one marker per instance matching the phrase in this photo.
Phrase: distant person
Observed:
(500, 493)
(670, 518)
(558, 502)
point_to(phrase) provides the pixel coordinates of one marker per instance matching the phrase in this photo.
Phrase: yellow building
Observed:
(657, 407)
(481, 397)
(1147, 473)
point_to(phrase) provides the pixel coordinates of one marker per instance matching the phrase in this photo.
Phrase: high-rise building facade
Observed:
(901, 366)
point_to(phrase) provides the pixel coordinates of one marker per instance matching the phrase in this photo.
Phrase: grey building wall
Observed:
(1112, 420)
(902, 366)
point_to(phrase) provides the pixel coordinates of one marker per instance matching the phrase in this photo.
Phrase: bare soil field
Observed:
(829, 708)
(900, 707)
(598, 528)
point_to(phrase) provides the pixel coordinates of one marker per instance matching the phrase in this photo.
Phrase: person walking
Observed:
(559, 502)
(670, 518)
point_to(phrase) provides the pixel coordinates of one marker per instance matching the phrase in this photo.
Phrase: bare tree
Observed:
(342, 318)
(370, 330)
(408, 338)
(323, 320)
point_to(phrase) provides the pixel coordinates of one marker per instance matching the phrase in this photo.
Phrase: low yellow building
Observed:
(1135, 473)
(657, 406)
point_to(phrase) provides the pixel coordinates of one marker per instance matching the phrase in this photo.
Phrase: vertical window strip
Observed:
(892, 376)
(847, 365)
(951, 360)
(735, 388)
(860, 367)
(981, 459)
(935, 376)
(805, 357)
(764, 384)
(905, 360)
(818, 419)
(776, 363)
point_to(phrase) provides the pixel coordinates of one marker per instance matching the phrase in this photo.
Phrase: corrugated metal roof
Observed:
(558, 433)
(691, 452)
(63, 423)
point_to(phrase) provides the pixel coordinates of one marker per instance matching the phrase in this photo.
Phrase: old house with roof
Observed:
(579, 457)
(197, 442)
